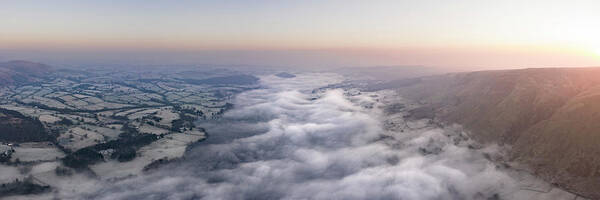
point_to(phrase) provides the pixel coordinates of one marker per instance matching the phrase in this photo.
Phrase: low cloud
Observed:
(285, 142)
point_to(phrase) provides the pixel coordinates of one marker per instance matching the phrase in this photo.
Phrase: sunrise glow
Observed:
(440, 33)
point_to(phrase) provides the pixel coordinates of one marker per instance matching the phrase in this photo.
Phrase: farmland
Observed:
(107, 123)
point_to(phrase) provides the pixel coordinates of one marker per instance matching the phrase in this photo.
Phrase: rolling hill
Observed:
(19, 72)
(549, 117)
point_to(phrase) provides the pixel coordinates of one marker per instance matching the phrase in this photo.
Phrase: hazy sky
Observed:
(472, 33)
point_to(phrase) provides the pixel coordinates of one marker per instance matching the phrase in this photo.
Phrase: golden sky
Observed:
(483, 33)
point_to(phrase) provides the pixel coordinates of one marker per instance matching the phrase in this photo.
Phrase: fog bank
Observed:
(285, 142)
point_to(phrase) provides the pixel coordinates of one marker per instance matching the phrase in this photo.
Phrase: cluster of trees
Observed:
(82, 158)
(65, 121)
(5, 156)
(125, 148)
(185, 122)
(22, 187)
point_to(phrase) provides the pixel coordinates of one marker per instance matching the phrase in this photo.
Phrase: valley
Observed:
(81, 133)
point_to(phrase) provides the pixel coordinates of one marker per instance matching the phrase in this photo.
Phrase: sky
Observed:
(461, 33)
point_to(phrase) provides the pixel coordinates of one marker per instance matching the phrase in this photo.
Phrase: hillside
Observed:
(15, 127)
(19, 72)
(549, 117)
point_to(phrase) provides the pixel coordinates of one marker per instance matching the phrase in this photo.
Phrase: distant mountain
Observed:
(549, 117)
(241, 79)
(19, 72)
(391, 72)
(285, 75)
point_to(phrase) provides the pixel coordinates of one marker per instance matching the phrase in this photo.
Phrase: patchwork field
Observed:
(109, 123)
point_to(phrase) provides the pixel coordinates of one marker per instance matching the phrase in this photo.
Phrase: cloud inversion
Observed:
(284, 142)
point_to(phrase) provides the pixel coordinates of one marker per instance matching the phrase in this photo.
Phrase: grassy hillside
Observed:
(550, 117)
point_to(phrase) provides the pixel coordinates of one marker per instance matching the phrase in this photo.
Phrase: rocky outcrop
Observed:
(549, 117)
